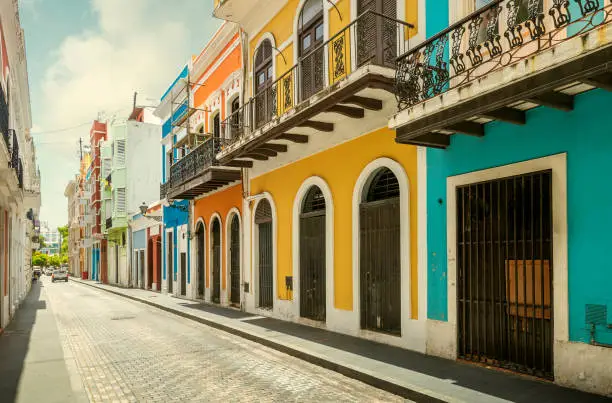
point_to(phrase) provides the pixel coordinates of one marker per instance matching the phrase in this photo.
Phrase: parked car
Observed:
(59, 275)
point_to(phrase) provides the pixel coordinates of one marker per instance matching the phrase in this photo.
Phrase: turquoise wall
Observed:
(586, 135)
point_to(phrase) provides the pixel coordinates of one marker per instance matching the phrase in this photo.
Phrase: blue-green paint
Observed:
(585, 135)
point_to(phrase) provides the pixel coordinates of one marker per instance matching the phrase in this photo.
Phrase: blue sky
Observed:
(89, 56)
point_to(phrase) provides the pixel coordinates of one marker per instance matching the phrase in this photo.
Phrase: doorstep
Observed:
(409, 374)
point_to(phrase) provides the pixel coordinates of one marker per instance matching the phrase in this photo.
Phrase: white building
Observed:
(19, 179)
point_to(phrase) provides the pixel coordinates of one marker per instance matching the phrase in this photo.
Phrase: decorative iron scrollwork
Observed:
(473, 51)
(456, 59)
(288, 98)
(492, 43)
(339, 66)
(535, 22)
(560, 13)
(587, 6)
(513, 31)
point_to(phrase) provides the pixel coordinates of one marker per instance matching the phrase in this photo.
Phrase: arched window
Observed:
(263, 66)
(265, 250)
(310, 37)
(380, 253)
(312, 256)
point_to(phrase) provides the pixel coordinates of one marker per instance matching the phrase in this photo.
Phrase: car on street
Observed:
(59, 275)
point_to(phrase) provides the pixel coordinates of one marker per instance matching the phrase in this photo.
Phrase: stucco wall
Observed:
(143, 172)
(340, 167)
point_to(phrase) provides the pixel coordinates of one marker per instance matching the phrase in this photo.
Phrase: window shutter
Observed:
(120, 152)
(106, 167)
(120, 201)
(263, 213)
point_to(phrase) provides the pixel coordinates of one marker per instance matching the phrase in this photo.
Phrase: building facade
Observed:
(20, 180)
(509, 100)
(52, 239)
(174, 110)
(72, 195)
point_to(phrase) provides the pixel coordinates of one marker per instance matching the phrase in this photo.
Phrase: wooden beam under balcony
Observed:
(467, 127)
(555, 100)
(508, 115)
(240, 164)
(264, 152)
(372, 104)
(349, 111)
(254, 156)
(296, 138)
(279, 148)
(317, 125)
(603, 81)
(434, 140)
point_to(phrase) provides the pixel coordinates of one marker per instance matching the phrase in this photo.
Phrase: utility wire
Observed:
(64, 129)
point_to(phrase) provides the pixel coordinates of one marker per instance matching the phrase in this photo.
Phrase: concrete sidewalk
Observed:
(33, 365)
(408, 374)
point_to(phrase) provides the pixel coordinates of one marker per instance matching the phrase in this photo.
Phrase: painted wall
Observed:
(340, 167)
(174, 218)
(585, 135)
(143, 173)
(221, 203)
(139, 239)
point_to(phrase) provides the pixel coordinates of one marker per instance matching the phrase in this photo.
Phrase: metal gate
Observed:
(504, 273)
(216, 261)
(312, 256)
(235, 261)
(200, 262)
(183, 273)
(263, 220)
(379, 246)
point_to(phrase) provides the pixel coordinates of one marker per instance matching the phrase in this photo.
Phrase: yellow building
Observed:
(308, 209)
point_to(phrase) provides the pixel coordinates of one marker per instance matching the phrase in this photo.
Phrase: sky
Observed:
(87, 57)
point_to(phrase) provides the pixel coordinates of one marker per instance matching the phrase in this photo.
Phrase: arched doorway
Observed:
(312, 256)
(200, 265)
(379, 250)
(216, 260)
(265, 250)
(264, 75)
(234, 255)
(310, 36)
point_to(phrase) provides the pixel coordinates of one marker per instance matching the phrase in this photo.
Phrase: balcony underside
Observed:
(431, 124)
(321, 114)
(211, 179)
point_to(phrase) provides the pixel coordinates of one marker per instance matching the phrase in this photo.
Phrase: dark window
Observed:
(384, 185)
(314, 200)
(263, 65)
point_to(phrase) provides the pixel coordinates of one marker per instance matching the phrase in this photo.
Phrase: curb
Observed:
(371, 380)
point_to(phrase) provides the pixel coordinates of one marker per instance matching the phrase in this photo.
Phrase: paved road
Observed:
(127, 351)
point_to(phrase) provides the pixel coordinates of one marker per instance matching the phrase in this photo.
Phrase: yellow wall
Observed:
(339, 167)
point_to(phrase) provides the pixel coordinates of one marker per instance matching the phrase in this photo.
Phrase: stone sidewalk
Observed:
(34, 366)
(408, 374)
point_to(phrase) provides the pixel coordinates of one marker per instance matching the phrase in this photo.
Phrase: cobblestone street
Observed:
(126, 351)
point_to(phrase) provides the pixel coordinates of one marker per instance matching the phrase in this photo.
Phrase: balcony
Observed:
(498, 62)
(199, 172)
(347, 76)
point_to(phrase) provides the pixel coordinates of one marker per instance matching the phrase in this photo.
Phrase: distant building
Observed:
(52, 237)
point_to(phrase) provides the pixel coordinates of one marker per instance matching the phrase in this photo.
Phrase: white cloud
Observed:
(138, 45)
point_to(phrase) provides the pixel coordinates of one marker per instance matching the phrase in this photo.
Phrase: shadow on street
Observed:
(15, 342)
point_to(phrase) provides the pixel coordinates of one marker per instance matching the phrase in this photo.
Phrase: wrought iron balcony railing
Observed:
(371, 39)
(493, 37)
(19, 171)
(197, 161)
(163, 190)
(14, 150)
